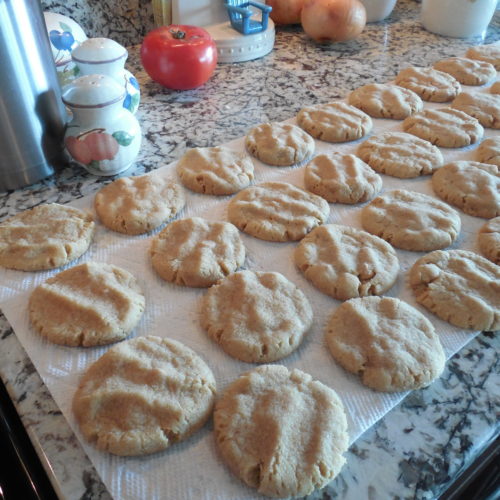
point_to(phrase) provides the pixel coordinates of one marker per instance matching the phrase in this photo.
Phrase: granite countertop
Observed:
(421, 446)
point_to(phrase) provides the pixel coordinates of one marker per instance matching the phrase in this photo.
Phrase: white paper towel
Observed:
(193, 469)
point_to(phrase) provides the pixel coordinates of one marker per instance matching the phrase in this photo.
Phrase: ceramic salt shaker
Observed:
(107, 57)
(103, 136)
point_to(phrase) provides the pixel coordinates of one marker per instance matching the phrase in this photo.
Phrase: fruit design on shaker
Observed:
(131, 101)
(62, 41)
(94, 146)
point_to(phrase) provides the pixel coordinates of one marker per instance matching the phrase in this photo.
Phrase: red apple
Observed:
(78, 150)
(101, 145)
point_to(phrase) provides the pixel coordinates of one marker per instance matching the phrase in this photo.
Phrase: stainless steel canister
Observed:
(32, 115)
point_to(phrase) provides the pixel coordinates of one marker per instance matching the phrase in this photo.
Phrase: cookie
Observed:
(280, 431)
(411, 221)
(280, 144)
(391, 345)
(340, 178)
(217, 171)
(143, 395)
(467, 71)
(196, 252)
(489, 240)
(471, 186)
(345, 262)
(489, 151)
(386, 101)
(277, 211)
(429, 83)
(87, 305)
(460, 287)
(488, 53)
(482, 106)
(445, 127)
(45, 237)
(256, 317)
(400, 155)
(137, 205)
(495, 88)
(334, 122)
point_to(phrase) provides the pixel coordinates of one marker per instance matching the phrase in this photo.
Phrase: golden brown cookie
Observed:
(482, 106)
(430, 84)
(495, 88)
(386, 101)
(137, 205)
(411, 221)
(340, 178)
(86, 305)
(489, 240)
(445, 127)
(400, 155)
(257, 317)
(280, 144)
(280, 431)
(217, 171)
(489, 151)
(467, 71)
(277, 211)
(334, 122)
(143, 395)
(489, 53)
(391, 345)
(45, 237)
(471, 186)
(196, 252)
(345, 262)
(460, 287)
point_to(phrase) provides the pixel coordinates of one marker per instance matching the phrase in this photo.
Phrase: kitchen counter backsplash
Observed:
(124, 21)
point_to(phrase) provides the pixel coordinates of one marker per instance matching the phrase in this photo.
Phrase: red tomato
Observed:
(179, 57)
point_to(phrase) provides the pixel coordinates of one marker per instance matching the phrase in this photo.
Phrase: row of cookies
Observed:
(255, 474)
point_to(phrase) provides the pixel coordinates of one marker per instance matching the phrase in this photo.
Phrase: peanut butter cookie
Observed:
(391, 345)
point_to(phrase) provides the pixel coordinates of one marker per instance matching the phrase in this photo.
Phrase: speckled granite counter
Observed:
(421, 446)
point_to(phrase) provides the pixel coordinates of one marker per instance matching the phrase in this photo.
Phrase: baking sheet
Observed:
(193, 469)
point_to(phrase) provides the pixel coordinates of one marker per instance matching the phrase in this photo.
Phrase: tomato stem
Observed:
(178, 34)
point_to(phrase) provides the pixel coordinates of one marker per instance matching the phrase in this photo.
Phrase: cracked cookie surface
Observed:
(411, 221)
(137, 205)
(345, 262)
(445, 127)
(400, 155)
(143, 395)
(340, 178)
(256, 317)
(196, 252)
(489, 151)
(334, 122)
(471, 186)
(45, 237)
(386, 101)
(280, 431)
(489, 240)
(390, 344)
(277, 211)
(460, 287)
(429, 83)
(89, 304)
(217, 170)
(467, 71)
(279, 144)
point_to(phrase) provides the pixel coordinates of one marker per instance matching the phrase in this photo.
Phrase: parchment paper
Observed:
(193, 469)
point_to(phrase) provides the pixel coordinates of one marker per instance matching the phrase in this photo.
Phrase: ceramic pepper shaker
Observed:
(107, 57)
(103, 136)
(65, 35)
